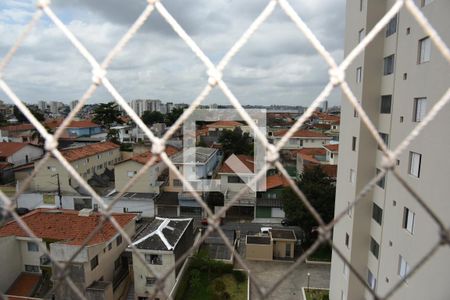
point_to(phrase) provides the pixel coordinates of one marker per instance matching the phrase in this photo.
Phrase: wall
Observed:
(294, 143)
(259, 252)
(10, 262)
(20, 157)
(145, 183)
(30, 257)
(279, 248)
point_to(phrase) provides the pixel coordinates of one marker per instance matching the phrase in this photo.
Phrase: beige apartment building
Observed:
(398, 79)
(89, 161)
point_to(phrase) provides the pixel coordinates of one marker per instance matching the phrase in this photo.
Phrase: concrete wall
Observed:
(279, 248)
(259, 252)
(144, 184)
(294, 142)
(10, 262)
(28, 152)
(30, 257)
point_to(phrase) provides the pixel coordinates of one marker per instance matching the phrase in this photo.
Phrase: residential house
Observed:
(14, 154)
(269, 203)
(99, 271)
(91, 162)
(326, 157)
(21, 133)
(75, 129)
(278, 244)
(302, 139)
(162, 243)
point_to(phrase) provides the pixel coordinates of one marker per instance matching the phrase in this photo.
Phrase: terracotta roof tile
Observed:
(73, 124)
(220, 124)
(9, 148)
(52, 224)
(277, 180)
(332, 147)
(89, 150)
(19, 127)
(247, 160)
(143, 158)
(312, 151)
(301, 133)
(24, 285)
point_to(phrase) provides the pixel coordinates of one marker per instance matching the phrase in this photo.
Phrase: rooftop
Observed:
(312, 151)
(283, 234)
(161, 234)
(53, 224)
(277, 180)
(24, 285)
(260, 240)
(19, 127)
(143, 158)
(332, 147)
(301, 134)
(88, 150)
(73, 124)
(9, 148)
(167, 198)
(221, 124)
(247, 160)
(202, 155)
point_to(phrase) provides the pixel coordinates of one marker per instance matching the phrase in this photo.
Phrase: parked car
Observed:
(265, 230)
(287, 222)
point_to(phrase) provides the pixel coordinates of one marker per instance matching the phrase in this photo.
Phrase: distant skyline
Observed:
(278, 66)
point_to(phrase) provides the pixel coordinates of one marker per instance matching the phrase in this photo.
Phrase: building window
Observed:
(177, 182)
(150, 281)
(32, 268)
(424, 54)
(425, 2)
(117, 264)
(94, 262)
(385, 138)
(374, 247)
(360, 35)
(347, 239)
(352, 176)
(131, 174)
(420, 109)
(110, 246)
(118, 240)
(358, 75)
(153, 259)
(377, 213)
(385, 107)
(381, 183)
(354, 143)
(409, 219)
(235, 179)
(415, 160)
(371, 280)
(391, 26)
(32, 247)
(403, 267)
(388, 65)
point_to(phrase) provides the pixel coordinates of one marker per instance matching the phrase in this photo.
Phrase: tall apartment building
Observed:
(140, 105)
(398, 78)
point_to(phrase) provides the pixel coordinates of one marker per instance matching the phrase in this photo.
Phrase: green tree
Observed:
(107, 114)
(320, 191)
(173, 116)
(21, 117)
(113, 136)
(152, 117)
(236, 142)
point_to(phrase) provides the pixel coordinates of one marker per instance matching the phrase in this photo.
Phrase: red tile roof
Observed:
(301, 133)
(19, 127)
(247, 160)
(332, 147)
(9, 148)
(89, 150)
(66, 226)
(330, 170)
(309, 158)
(73, 124)
(277, 180)
(143, 158)
(220, 124)
(312, 151)
(24, 285)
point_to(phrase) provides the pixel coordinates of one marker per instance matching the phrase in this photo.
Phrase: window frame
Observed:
(389, 69)
(153, 259)
(382, 182)
(403, 267)
(409, 220)
(32, 246)
(424, 50)
(412, 169)
(94, 262)
(374, 248)
(384, 107)
(391, 27)
(377, 213)
(419, 109)
(354, 140)
(358, 74)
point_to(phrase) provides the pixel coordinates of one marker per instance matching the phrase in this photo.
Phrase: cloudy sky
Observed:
(277, 65)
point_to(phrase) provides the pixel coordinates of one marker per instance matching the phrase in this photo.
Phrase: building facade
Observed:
(398, 79)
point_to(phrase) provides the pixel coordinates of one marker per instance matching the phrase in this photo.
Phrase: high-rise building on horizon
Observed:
(398, 78)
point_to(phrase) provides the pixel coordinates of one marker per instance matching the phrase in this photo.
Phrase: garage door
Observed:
(263, 212)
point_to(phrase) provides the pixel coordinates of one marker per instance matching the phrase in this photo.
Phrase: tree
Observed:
(113, 136)
(152, 117)
(320, 191)
(21, 117)
(236, 142)
(107, 114)
(173, 116)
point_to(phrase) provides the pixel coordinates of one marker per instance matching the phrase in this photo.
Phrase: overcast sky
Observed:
(277, 65)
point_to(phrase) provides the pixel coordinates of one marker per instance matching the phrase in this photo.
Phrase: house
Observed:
(123, 133)
(21, 133)
(326, 157)
(92, 162)
(82, 128)
(201, 164)
(217, 127)
(269, 203)
(302, 139)
(279, 244)
(99, 270)
(162, 243)
(147, 183)
(19, 153)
